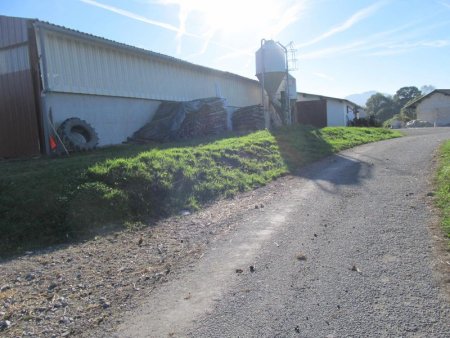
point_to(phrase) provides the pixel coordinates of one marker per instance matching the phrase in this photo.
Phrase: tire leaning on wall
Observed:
(78, 135)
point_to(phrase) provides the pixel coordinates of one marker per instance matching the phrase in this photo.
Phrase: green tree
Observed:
(380, 107)
(405, 95)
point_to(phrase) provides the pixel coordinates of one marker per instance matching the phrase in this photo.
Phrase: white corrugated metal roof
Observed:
(330, 98)
(141, 51)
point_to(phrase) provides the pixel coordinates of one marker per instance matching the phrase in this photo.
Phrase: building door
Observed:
(313, 113)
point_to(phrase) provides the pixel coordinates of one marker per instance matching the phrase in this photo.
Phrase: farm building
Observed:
(50, 73)
(322, 111)
(433, 107)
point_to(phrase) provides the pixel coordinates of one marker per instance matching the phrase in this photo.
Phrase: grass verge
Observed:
(50, 201)
(443, 186)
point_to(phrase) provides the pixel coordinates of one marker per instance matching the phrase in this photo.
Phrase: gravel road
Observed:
(347, 250)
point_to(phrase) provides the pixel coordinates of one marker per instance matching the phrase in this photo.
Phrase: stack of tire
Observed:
(78, 135)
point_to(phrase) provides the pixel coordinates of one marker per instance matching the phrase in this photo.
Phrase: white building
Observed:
(322, 111)
(114, 87)
(433, 107)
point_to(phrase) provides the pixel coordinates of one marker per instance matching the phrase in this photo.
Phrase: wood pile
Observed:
(249, 118)
(181, 120)
(209, 119)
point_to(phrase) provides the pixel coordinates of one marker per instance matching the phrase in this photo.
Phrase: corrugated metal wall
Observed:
(80, 66)
(18, 115)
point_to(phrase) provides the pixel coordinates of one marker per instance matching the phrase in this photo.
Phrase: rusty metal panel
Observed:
(18, 114)
(18, 120)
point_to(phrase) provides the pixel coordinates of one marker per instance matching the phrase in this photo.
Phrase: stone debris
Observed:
(4, 324)
(355, 268)
(5, 287)
(300, 256)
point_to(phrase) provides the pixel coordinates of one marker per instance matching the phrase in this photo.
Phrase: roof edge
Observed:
(130, 48)
(423, 97)
(331, 98)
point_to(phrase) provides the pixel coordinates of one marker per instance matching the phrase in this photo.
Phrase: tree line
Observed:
(383, 108)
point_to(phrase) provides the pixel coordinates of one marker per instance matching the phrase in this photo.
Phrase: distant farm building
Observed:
(322, 111)
(433, 107)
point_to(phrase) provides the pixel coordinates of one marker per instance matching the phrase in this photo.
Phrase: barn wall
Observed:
(79, 65)
(19, 134)
(312, 113)
(113, 118)
(435, 109)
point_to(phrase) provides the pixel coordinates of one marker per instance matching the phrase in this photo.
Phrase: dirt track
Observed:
(348, 252)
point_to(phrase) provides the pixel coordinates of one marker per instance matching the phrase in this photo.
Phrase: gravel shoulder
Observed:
(329, 248)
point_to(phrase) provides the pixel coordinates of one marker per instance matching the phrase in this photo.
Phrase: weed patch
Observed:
(443, 186)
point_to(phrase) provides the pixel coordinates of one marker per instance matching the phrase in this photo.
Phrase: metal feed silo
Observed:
(272, 71)
(271, 65)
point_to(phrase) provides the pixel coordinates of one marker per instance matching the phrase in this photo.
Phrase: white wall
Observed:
(435, 109)
(114, 118)
(78, 65)
(301, 97)
(336, 112)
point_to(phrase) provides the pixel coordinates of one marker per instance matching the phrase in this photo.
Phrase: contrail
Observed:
(350, 22)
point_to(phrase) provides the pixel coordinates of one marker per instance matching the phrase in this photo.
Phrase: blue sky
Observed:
(342, 46)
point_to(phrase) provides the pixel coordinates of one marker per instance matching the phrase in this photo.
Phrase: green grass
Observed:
(50, 201)
(443, 186)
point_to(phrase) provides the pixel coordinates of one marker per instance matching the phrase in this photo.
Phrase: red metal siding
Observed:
(313, 113)
(19, 134)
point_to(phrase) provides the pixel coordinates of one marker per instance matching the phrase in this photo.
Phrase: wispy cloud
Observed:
(445, 4)
(333, 51)
(133, 15)
(349, 23)
(237, 54)
(396, 49)
(289, 16)
(398, 40)
(182, 17)
(234, 19)
(323, 76)
(181, 30)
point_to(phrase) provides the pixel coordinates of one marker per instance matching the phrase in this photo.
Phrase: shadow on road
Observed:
(327, 170)
(335, 171)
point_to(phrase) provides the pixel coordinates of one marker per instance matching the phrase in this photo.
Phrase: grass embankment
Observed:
(49, 201)
(443, 186)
